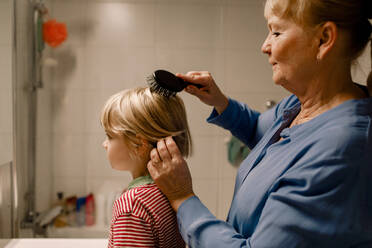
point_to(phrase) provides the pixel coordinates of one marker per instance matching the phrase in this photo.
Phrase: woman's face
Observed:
(291, 51)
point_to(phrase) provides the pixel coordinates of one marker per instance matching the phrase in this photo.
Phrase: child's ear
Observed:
(143, 145)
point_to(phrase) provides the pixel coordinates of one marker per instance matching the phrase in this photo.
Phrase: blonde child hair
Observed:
(138, 113)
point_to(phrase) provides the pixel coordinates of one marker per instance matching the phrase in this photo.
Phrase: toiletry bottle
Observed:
(71, 210)
(80, 211)
(89, 210)
(59, 201)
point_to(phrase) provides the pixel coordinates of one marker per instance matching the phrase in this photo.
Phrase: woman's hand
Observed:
(170, 172)
(210, 94)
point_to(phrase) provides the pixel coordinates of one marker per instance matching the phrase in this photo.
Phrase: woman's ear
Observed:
(327, 37)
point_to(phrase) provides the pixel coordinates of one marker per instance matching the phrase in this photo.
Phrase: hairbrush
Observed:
(166, 83)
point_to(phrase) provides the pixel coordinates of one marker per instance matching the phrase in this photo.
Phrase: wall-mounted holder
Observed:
(39, 12)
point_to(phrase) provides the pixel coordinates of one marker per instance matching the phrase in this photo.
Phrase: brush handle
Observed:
(188, 83)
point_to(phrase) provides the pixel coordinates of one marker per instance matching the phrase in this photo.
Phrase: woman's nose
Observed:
(266, 47)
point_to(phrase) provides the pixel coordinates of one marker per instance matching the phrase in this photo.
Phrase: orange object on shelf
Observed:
(54, 33)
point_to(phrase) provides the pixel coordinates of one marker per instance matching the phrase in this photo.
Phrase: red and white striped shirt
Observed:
(143, 217)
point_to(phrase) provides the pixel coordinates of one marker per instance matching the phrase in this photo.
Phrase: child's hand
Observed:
(170, 172)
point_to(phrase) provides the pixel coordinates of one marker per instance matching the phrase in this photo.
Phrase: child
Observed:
(134, 120)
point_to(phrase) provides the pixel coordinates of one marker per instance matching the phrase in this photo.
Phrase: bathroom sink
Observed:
(56, 243)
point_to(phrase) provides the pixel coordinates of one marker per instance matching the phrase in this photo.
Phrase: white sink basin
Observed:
(57, 243)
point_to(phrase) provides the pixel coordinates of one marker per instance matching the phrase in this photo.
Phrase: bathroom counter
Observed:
(55, 243)
(85, 232)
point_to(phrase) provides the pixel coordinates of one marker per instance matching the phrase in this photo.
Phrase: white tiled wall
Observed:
(115, 44)
(6, 143)
(362, 66)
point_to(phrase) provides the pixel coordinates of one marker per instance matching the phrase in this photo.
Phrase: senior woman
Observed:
(308, 180)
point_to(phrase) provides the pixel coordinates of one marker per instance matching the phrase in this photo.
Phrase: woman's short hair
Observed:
(138, 112)
(350, 15)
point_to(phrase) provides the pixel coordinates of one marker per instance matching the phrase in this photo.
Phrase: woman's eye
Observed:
(276, 34)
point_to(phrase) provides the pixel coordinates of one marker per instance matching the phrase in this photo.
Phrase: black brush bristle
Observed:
(155, 87)
(166, 83)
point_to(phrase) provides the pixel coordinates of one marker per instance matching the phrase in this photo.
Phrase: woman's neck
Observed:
(324, 94)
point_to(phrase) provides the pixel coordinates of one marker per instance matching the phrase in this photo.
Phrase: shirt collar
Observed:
(355, 106)
(139, 181)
